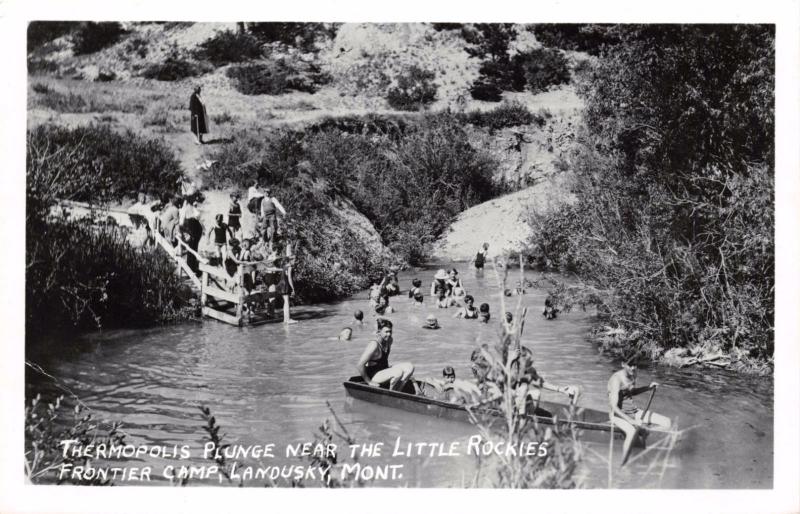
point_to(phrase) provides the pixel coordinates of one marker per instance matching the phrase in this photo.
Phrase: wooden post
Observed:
(203, 287)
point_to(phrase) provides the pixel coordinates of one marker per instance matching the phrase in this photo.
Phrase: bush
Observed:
(36, 66)
(104, 165)
(580, 37)
(388, 170)
(542, 68)
(447, 26)
(274, 78)
(414, 90)
(301, 35)
(41, 32)
(80, 278)
(40, 88)
(138, 46)
(507, 114)
(92, 37)
(676, 234)
(174, 68)
(227, 47)
(485, 90)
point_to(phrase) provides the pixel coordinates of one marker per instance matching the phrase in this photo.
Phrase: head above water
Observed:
(485, 246)
(416, 282)
(358, 315)
(383, 322)
(431, 321)
(449, 373)
(509, 317)
(484, 307)
(345, 334)
(469, 299)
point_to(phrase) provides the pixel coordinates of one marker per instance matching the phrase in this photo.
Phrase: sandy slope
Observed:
(502, 222)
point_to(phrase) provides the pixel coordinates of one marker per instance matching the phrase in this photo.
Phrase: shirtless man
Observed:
(373, 366)
(452, 389)
(623, 412)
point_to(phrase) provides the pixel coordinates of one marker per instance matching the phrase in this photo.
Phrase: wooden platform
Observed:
(223, 297)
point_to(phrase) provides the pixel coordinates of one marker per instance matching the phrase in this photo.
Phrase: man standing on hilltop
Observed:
(199, 119)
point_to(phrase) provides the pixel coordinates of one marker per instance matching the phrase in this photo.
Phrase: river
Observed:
(270, 384)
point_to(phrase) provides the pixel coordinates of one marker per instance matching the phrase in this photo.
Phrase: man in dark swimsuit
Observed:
(374, 368)
(623, 412)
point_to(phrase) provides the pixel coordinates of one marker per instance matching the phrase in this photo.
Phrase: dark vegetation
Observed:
(303, 36)
(76, 103)
(81, 276)
(91, 37)
(99, 163)
(409, 187)
(673, 228)
(175, 67)
(589, 38)
(227, 47)
(41, 32)
(534, 70)
(276, 77)
(507, 114)
(414, 90)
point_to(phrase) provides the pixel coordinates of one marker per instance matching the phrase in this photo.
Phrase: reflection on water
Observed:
(270, 384)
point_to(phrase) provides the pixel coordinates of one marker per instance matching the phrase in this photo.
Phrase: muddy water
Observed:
(272, 384)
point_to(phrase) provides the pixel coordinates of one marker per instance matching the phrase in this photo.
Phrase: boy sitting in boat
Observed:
(373, 366)
(450, 389)
(624, 413)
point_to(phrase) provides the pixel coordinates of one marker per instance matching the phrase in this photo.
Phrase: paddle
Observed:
(638, 428)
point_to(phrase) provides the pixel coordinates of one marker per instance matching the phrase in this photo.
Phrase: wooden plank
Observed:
(221, 316)
(219, 293)
(194, 278)
(203, 287)
(187, 248)
(215, 271)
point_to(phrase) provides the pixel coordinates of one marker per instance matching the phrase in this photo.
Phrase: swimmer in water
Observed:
(346, 334)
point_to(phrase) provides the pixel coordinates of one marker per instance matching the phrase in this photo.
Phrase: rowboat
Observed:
(593, 424)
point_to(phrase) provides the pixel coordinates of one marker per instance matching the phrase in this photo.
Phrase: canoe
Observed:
(593, 424)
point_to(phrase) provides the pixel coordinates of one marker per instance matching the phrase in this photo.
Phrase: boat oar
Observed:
(638, 429)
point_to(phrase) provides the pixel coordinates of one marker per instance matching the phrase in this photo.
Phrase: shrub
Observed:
(414, 90)
(227, 46)
(569, 36)
(138, 46)
(260, 79)
(542, 68)
(447, 26)
(105, 165)
(41, 32)
(274, 78)
(507, 114)
(92, 37)
(301, 35)
(485, 90)
(174, 68)
(36, 66)
(83, 277)
(40, 88)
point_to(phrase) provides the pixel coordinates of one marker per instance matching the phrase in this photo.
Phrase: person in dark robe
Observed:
(199, 119)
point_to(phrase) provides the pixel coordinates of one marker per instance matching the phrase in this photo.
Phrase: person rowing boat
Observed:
(623, 412)
(373, 366)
